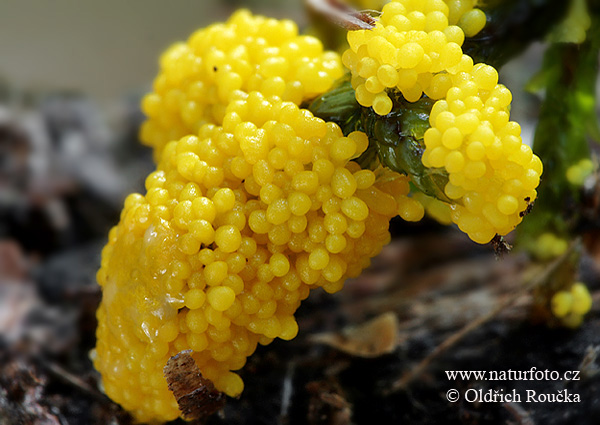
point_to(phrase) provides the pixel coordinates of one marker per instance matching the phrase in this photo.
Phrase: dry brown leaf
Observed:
(374, 338)
(341, 14)
(196, 396)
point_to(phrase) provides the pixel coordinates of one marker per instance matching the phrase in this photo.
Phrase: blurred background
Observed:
(72, 74)
(105, 49)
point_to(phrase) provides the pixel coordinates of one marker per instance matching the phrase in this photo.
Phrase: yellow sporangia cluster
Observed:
(492, 174)
(239, 223)
(255, 201)
(580, 171)
(248, 53)
(548, 246)
(413, 48)
(571, 305)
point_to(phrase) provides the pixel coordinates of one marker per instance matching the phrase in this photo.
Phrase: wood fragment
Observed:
(342, 14)
(196, 395)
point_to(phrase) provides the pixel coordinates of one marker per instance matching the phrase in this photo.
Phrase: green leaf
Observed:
(398, 138)
(339, 105)
(395, 140)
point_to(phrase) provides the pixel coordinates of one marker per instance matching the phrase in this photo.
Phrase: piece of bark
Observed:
(196, 395)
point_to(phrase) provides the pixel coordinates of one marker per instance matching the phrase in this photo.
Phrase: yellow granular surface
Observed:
(493, 175)
(238, 224)
(413, 48)
(199, 78)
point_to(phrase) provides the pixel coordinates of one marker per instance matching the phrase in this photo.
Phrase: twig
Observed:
(287, 392)
(452, 340)
(521, 415)
(75, 381)
(588, 366)
(342, 14)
